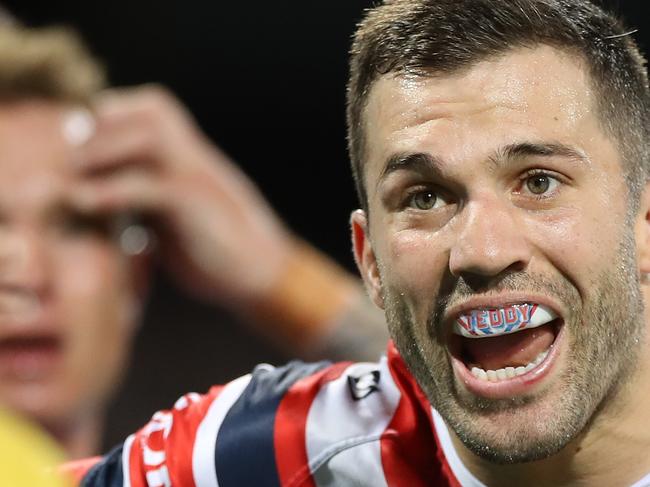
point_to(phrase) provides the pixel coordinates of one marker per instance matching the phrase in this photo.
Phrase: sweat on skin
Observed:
(493, 187)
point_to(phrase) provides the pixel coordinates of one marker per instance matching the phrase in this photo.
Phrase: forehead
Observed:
(531, 93)
(34, 155)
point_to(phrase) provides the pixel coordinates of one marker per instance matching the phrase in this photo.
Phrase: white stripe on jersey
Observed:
(343, 468)
(203, 463)
(460, 471)
(342, 433)
(126, 465)
(644, 482)
(159, 477)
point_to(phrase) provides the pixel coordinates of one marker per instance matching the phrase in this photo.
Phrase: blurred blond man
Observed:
(81, 170)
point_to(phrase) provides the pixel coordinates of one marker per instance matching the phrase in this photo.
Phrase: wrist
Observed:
(310, 292)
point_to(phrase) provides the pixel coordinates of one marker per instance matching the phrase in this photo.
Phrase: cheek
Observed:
(90, 273)
(94, 301)
(578, 242)
(92, 304)
(415, 263)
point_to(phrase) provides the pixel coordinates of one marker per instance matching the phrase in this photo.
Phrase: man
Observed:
(74, 259)
(500, 152)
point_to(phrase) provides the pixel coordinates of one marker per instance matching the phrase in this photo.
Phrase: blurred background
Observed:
(266, 80)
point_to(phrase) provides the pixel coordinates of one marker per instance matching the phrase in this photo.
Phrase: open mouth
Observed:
(29, 357)
(498, 344)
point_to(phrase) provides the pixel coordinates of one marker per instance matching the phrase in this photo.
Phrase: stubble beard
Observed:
(605, 332)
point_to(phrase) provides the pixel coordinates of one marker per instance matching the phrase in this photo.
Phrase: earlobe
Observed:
(365, 258)
(642, 231)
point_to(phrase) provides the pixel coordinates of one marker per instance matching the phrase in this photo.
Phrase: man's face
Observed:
(67, 305)
(497, 203)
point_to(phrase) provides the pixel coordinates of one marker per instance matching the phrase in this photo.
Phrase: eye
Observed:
(425, 200)
(77, 224)
(541, 183)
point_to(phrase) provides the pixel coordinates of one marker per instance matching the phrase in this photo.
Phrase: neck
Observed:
(80, 436)
(613, 450)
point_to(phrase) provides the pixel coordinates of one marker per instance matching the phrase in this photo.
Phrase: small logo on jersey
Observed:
(364, 385)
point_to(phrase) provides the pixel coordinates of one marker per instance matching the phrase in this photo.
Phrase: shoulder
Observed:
(296, 425)
(292, 420)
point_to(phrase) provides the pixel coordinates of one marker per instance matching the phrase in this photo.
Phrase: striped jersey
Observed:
(301, 425)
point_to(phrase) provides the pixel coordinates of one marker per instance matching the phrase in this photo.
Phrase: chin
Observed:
(518, 430)
(46, 404)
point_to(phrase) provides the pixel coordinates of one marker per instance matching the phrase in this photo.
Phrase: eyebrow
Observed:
(524, 149)
(416, 162)
(421, 161)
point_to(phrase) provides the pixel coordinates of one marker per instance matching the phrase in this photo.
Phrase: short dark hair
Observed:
(438, 37)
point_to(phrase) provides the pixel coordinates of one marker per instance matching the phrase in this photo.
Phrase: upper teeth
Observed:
(486, 322)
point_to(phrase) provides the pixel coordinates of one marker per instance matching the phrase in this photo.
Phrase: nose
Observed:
(24, 263)
(489, 241)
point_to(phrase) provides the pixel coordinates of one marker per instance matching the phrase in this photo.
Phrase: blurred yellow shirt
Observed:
(28, 458)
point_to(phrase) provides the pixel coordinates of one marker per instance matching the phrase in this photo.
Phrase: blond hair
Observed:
(51, 63)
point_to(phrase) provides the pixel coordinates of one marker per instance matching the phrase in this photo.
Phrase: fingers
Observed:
(116, 146)
(146, 156)
(127, 191)
(144, 98)
(147, 127)
(139, 126)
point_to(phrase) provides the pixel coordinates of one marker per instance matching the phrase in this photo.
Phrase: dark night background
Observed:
(266, 80)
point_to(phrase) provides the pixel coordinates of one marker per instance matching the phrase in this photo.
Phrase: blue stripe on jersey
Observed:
(107, 473)
(244, 452)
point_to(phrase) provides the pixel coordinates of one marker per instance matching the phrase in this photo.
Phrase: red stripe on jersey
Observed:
(290, 424)
(409, 441)
(175, 445)
(189, 412)
(136, 466)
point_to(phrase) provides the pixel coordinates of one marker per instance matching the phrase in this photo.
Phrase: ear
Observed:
(642, 231)
(365, 258)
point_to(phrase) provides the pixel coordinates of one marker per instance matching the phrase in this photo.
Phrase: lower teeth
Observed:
(507, 372)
